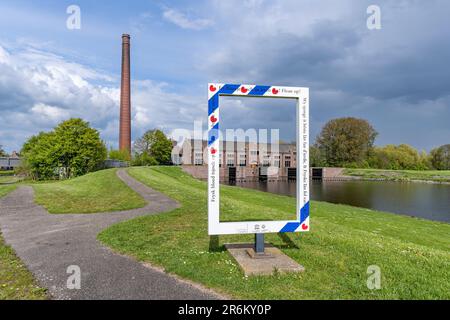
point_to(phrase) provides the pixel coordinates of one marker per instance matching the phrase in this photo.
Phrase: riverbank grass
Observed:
(100, 191)
(400, 175)
(412, 254)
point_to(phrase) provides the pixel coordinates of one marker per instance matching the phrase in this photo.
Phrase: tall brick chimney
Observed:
(125, 97)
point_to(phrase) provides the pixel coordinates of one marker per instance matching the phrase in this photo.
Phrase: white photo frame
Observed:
(302, 222)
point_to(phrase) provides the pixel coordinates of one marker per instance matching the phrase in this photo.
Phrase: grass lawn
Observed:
(400, 175)
(101, 191)
(413, 254)
(9, 179)
(16, 282)
(5, 189)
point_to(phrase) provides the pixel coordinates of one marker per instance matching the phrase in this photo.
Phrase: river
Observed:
(424, 200)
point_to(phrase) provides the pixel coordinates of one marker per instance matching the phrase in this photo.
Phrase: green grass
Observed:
(5, 189)
(413, 254)
(9, 179)
(101, 191)
(16, 282)
(400, 175)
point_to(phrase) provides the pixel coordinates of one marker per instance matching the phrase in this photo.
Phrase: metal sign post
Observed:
(259, 243)
(302, 222)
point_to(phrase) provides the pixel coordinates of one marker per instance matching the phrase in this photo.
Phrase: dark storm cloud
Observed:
(397, 77)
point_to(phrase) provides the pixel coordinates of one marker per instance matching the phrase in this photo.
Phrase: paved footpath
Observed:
(49, 243)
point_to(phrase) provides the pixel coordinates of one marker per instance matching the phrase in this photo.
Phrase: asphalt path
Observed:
(49, 244)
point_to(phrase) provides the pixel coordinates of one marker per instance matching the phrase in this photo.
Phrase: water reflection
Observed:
(429, 201)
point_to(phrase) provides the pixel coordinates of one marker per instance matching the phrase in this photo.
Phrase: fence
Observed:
(109, 163)
(9, 163)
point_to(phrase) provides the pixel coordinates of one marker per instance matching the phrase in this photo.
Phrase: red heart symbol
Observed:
(213, 151)
(244, 90)
(212, 88)
(213, 119)
(305, 226)
(275, 91)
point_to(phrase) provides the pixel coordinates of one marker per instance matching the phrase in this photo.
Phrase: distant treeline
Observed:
(349, 143)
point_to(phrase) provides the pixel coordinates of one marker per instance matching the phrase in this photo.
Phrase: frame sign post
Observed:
(302, 223)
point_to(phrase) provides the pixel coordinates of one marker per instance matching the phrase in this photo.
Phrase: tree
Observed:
(153, 148)
(346, 141)
(440, 157)
(315, 157)
(72, 149)
(401, 157)
(37, 160)
(122, 155)
(2, 152)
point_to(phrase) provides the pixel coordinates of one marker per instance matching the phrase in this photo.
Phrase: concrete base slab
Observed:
(254, 255)
(256, 264)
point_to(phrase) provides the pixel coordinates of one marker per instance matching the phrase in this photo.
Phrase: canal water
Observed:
(429, 201)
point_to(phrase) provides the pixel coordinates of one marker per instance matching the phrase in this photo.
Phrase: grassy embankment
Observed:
(413, 254)
(5, 189)
(101, 191)
(97, 192)
(16, 282)
(9, 180)
(400, 175)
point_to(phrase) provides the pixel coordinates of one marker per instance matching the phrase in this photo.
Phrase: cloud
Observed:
(157, 105)
(49, 113)
(396, 77)
(39, 89)
(183, 21)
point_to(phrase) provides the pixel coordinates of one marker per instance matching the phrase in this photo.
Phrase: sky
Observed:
(396, 77)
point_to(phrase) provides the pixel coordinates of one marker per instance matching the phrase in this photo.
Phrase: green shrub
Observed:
(440, 157)
(401, 157)
(72, 149)
(122, 155)
(152, 149)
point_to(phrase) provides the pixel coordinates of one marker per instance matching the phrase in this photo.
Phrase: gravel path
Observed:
(49, 243)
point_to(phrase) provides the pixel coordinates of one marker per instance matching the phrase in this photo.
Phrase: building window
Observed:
(198, 160)
(230, 159)
(287, 164)
(277, 163)
(242, 160)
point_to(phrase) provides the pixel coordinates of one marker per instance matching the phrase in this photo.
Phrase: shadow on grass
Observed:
(288, 243)
(214, 243)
